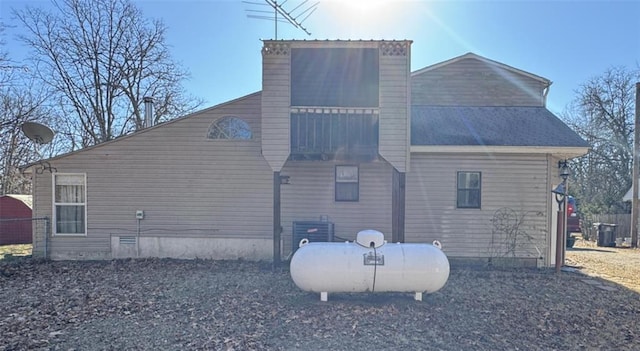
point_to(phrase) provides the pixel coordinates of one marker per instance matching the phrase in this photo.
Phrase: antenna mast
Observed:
(282, 15)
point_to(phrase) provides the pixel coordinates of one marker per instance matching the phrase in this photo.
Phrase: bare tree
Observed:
(101, 58)
(18, 104)
(603, 114)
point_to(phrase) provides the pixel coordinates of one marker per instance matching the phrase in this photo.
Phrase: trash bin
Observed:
(606, 234)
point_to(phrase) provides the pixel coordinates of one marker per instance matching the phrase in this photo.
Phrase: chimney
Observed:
(148, 111)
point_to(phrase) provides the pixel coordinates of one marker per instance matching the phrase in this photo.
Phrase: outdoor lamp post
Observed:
(561, 194)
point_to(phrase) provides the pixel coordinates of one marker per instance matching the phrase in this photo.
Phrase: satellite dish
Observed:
(38, 133)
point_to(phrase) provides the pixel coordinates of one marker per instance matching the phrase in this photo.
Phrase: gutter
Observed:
(563, 152)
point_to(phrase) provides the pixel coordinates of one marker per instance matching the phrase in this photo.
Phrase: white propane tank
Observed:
(369, 264)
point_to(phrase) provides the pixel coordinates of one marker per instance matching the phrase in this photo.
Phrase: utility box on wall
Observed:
(314, 231)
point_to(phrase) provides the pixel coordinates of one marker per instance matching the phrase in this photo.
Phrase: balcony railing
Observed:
(336, 134)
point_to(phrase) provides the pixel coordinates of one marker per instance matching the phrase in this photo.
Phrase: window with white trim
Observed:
(347, 183)
(69, 204)
(469, 185)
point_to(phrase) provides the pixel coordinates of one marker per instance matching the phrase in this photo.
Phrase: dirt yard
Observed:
(620, 265)
(207, 305)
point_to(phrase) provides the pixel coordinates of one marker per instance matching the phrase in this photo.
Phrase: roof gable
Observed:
(485, 60)
(472, 80)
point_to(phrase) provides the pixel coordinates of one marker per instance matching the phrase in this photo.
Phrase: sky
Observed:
(567, 42)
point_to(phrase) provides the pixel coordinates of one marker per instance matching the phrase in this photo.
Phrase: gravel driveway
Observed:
(207, 305)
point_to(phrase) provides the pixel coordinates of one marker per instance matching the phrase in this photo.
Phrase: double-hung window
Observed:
(70, 204)
(347, 183)
(469, 189)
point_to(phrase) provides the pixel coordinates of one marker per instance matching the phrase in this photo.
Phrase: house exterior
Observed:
(15, 219)
(342, 137)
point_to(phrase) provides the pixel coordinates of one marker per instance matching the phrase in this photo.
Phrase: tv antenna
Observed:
(279, 14)
(13, 67)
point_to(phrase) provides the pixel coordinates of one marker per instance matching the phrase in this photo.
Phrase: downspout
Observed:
(277, 226)
(47, 228)
(545, 92)
(138, 239)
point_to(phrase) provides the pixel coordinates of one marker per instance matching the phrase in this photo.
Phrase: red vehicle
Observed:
(573, 218)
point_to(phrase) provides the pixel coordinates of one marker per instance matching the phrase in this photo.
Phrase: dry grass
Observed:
(15, 250)
(620, 265)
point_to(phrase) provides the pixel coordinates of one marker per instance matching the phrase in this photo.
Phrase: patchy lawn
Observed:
(177, 305)
(9, 251)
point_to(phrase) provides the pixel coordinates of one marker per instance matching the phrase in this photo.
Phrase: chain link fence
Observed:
(24, 237)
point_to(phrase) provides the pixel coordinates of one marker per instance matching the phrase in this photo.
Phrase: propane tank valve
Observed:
(370, 238)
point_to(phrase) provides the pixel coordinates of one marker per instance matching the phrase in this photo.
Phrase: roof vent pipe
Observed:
(148, 111)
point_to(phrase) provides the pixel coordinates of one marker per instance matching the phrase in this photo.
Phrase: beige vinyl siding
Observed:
(187, 185)
(311, 195)
(471, 82)
(516, 182)
(276, 99)
(394, 110)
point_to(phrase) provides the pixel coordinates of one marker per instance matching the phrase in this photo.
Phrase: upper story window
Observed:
(337, 77)
(229, 127)
(70, 204)
(469, 186)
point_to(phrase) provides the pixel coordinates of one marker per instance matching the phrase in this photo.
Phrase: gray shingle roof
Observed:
(490, 126)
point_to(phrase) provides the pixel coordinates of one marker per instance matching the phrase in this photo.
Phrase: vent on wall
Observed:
(315, 231)
(130, 240)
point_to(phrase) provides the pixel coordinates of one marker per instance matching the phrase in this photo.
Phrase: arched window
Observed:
(229, 128)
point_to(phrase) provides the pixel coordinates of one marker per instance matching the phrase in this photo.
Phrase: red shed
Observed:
(15, 219)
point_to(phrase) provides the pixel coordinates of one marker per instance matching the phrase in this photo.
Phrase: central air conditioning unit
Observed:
(314, 231)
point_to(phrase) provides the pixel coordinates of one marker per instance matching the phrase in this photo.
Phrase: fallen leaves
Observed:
(173, 304)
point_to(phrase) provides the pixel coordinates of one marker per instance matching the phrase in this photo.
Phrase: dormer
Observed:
(335, 100)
